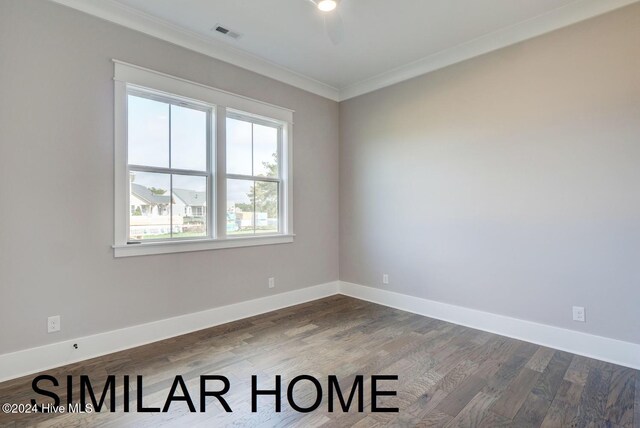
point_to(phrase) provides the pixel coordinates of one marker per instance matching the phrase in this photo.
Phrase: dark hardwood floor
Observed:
(448, 375)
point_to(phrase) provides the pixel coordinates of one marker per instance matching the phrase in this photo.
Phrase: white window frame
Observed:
(131, 77)
(278, 180)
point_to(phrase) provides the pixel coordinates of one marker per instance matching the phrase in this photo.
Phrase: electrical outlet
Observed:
(53, 324)
(385, 278)
(272, 283)
(578, 314)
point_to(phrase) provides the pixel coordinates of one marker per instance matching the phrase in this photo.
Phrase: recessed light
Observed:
(327, 5)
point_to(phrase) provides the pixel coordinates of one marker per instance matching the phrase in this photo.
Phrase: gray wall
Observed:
(56, 185)
(509, 183)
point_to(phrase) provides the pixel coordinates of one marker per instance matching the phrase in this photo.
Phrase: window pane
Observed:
(266, 199)
(150, 216)
(239, 207)
(239, 157)
(188, 138)
(148, 124)
(189, 204)
(265, 151)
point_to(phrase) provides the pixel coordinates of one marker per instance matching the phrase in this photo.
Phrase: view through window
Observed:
(168, 168)
(253, 176)
(170, 171)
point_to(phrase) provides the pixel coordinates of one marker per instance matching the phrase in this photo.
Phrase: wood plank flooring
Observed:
(449, 376)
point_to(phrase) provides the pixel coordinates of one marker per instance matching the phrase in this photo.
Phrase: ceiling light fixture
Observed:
(327, 5)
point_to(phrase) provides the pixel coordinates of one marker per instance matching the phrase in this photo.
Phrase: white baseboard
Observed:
(598, 347)
(29, 361)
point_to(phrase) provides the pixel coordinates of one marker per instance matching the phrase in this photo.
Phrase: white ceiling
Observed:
(383, 42)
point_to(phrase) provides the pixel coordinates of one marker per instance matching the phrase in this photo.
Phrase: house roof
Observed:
(191, 198)
(144, 193)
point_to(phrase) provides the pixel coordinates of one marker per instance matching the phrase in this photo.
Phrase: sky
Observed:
(149, 142)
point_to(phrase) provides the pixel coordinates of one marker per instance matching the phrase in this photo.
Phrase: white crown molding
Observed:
(34, 360)
(572, 13)
(112, 11)
(598, 347)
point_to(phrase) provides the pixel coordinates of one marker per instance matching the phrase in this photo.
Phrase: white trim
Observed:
(598, 347)
(172, 85)
(121, 202)
(287, 159)
(221, 172)
(553, 20)
(572, 13)
(127, 76)
(118, 13)
(46, 357)
(33, 360)
(187, 246)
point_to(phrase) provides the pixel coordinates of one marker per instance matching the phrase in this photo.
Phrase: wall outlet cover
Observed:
(578, 314)
(53, 324)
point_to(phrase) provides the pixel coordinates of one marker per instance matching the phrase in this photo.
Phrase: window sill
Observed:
(151, 248)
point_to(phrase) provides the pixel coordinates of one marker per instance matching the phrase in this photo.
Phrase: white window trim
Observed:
(131, 75)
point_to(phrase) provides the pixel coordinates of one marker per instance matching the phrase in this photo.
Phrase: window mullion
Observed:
(253, 177)
(211, 179)
(281, 194)
(220, 148)
(253, 173)
(170, 180)
(171, 205)
(162, 170)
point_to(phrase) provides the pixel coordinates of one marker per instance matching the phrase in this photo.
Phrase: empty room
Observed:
(320, 213)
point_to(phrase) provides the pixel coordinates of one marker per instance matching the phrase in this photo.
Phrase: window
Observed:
(197, 168)
(168, 142)
(253, 175)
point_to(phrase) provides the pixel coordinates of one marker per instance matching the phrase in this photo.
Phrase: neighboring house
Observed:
(151, 213)
(188, 203)
(146, 203)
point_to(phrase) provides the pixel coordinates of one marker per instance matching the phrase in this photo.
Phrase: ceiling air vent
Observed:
(223, 30)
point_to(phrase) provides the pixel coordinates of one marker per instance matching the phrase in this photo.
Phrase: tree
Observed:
(264, 194)
(156, 191)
